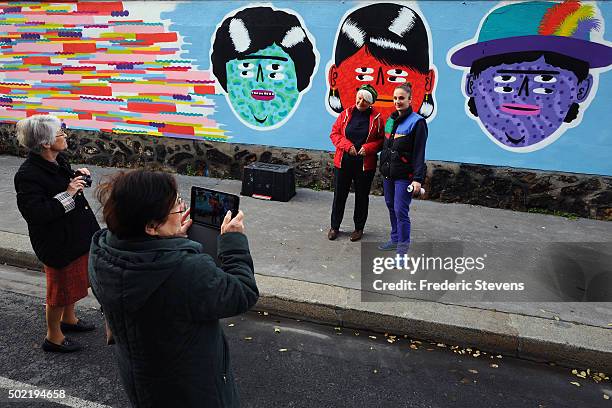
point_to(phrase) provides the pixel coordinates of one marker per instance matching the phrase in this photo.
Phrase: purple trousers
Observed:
(398, 201)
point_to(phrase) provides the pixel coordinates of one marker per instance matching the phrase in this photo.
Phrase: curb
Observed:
(534, 338)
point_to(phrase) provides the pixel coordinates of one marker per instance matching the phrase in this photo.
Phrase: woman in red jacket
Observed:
(358, 135)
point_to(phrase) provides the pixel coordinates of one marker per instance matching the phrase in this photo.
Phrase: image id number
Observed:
(31, 394)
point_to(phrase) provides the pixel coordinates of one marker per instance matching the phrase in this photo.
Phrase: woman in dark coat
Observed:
(163, 297)
(60, 224)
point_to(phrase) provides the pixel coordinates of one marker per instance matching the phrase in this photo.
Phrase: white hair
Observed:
(366, 95)
(37, 130)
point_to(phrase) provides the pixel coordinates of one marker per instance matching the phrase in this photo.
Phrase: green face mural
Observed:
(262, 87)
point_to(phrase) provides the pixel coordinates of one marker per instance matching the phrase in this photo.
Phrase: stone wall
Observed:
(517, 189)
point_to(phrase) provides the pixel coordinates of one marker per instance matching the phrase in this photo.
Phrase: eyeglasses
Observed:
(181, 204)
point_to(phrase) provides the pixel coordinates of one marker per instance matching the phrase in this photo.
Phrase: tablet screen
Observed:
(210, 206)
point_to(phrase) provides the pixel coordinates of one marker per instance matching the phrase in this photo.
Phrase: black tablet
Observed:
(208, 207)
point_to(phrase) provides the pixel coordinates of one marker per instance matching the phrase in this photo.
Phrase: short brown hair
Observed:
(407, 87)
(132, 200)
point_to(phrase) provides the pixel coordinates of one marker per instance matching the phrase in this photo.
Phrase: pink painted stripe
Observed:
(81, 105)
(87, 123)
(37, 47)
(132, 28)
(193, 120)
(100, 58)
(192, 75)
(150, 89)
(60, 19)
(12, 113)
(42, 76)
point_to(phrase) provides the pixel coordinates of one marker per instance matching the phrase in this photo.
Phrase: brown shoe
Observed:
(356, 235)
(332, 234)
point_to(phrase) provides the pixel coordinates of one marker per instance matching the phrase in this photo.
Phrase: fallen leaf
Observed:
(499, 356)
(577, 384)
(375, 371)
(282, 350)
(356, 333)
(337, 328)
(441, 345)
(494, 366)
(574, 371)
(248, 338)
(230, 325)
(473, 371)
(265, 313)
(276, 330)
(372, 337)
(414, 347)
(556, 318)
(606, 397)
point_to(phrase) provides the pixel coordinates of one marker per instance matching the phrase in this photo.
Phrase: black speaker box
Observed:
(268, 181)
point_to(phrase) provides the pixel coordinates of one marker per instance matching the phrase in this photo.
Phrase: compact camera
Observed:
(86, 178)
(420, 193)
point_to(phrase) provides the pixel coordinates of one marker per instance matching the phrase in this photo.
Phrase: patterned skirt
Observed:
(68, 284)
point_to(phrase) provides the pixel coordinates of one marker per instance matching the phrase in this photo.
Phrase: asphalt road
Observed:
(287, 363)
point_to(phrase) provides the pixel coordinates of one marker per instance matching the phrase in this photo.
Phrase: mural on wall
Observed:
(264, 59)
(532, 70)
(383, 45)
(108, 66)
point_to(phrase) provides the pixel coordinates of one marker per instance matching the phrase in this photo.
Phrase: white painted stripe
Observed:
(67, 401)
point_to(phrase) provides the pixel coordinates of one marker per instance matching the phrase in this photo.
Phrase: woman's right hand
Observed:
(76, 184)
(235, 224)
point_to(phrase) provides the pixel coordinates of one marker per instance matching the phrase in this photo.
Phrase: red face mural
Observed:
(362, 68)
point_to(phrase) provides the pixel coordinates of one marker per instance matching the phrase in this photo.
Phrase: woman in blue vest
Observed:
(402, 164)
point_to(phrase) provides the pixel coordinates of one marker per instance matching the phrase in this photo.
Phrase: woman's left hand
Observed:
(84, 170)
(185, 223)
(361, 151)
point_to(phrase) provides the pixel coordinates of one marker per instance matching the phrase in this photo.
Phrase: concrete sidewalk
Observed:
(301, 273)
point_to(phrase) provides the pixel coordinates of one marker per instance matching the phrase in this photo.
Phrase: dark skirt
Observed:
(69, 284)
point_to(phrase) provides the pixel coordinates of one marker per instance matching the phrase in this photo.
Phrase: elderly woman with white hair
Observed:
(60, 224)
(358, 135)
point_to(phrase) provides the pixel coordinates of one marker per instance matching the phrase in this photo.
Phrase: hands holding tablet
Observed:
(235, 224)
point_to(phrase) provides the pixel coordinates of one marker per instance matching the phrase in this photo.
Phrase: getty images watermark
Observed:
(489, 272)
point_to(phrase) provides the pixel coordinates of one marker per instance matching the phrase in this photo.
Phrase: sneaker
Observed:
(79, 326)
(388, 246)
(67, 346)
(332, 234)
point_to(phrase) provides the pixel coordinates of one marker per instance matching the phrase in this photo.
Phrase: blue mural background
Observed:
(453, 136)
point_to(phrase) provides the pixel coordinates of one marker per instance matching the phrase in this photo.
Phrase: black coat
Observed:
(403, 154)
(58, 237)
(163, 298)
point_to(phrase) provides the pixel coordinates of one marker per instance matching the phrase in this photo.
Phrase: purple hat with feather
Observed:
(564, 28)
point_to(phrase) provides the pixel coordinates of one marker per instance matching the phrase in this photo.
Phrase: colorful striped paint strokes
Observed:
(97, 67)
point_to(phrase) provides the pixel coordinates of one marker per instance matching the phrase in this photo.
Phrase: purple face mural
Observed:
(522, 104)
(532, 70)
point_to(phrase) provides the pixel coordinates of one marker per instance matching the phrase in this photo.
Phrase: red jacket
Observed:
(372, 145)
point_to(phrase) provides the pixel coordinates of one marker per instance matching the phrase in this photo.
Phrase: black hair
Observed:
(265, 27)
(578, 67)
(375, 22)
(132, 200)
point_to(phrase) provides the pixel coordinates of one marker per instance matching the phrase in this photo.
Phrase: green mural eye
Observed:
(246, 65)
(274, 67)
(277, 76)
(247, 74)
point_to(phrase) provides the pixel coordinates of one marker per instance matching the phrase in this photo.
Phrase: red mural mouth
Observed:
(262, 95)
(520, 109)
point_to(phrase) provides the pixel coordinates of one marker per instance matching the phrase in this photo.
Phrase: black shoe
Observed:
(80, 326)
(67, 346)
